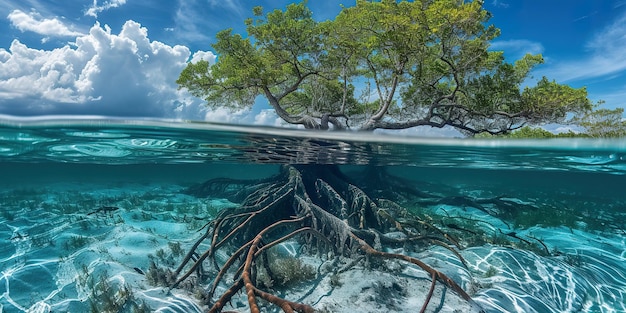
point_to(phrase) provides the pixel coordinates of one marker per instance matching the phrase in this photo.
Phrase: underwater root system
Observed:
(316, 204)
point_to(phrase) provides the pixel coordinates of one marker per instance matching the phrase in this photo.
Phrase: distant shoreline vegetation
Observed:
(601, 123)
(535, 132)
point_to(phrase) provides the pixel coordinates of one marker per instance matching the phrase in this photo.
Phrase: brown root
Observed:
(318, 205)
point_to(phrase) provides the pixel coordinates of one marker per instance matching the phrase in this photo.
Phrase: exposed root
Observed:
(318, 205)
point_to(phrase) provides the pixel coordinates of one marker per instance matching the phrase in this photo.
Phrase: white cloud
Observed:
(225, 115)
(265, 117)
(95, 8)
(231, 5)
(517, 48)
(499, 4)
(203, 55)
(34, 22)
(268, 117)
(605, 58)
(566, 129)
(613, 97)
(191, 25)
(99, 74)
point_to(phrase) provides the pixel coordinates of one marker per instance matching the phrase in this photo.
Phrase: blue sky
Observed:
(121, 57)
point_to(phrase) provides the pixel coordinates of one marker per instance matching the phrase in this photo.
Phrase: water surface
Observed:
(57, 255)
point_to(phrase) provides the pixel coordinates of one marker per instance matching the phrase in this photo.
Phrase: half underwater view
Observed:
(156, 216)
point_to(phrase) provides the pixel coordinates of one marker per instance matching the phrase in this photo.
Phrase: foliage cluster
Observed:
(604, 123)
(600, 123)
(382, 65)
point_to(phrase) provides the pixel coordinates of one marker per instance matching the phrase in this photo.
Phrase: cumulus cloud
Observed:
(225, 115)
(268, 117)
(203, 55)
(34, 22)
(97, 8)
(99, 74)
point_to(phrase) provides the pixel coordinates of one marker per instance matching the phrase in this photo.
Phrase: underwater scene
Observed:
(102, 215)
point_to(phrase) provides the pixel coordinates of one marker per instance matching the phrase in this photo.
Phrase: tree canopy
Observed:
(381, 65)
(604, 123)
(598, 123)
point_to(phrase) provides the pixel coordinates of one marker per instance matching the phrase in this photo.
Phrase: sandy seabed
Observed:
(59, 253)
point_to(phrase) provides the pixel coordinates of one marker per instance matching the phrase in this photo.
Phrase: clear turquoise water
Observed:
(53, 173)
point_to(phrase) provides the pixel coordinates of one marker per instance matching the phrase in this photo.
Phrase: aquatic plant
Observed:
(106, 297)
(164, 257)
(103, 250)
(146, 216)
(490, 272)
(159, 276)
(84, 224)
(161, 254)
(387, 293)
(291, 270)
(551, 216)
(154, 241)
(284, 271)
(76, 242)
(195, 224)
(37, 240)
(118, 219)
(574, 259)
(176, 248)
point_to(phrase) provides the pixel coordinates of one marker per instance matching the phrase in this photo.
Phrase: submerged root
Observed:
(318, 205)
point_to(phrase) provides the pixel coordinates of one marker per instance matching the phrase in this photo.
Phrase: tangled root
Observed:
(317, 204)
